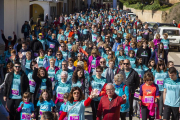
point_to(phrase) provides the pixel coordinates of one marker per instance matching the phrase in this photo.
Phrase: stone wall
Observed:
(172, 1)
(148, 15)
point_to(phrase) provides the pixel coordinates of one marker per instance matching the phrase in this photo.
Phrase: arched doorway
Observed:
(36, 11)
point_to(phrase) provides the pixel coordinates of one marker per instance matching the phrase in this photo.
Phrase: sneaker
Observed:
(138, 116)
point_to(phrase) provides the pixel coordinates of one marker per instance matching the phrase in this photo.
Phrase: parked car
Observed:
(132, 15)
(173, 36)
(157, 25)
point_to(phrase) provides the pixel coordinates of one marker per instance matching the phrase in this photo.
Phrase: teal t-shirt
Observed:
(45, 106)
(15, 92)
(127, 73)
(172, 92)
(42, 86)
(165, 43)
(58, 75)
(28, 62)
(32, 83)
(51, 73)
(40, 63)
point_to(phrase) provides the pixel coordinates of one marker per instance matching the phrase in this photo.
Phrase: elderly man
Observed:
(110, 104)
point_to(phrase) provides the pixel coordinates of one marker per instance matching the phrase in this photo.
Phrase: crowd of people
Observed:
(98, 58)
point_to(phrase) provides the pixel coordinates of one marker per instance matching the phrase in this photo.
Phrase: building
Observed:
(13, 14)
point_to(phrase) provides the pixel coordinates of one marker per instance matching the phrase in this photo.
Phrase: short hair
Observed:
(119, 77)
(59, 52)
(110, 84)
(81, 63)
(41, 50)
(145, 41)
(111, 60)
(48, 115)
(52, 59)
(33, 61)
(99, 67)
(66, 95)
(64, 73)
(17, 62)
(26, 95)
(13, 51)
(28, 53)
(148, 75)
(70, 59)
(24, 43)
(172, 70)
(121, 62)
(9, 65)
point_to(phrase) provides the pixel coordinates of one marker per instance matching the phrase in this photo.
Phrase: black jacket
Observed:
(36, 45)
(38, 83)
(132, 81)
(145, 54)
(24, 83)
(28, 28)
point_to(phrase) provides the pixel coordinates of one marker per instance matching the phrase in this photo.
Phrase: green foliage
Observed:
(154, 6)
(138, 6)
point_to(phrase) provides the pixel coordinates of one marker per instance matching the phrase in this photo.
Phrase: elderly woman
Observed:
(75, 107)
(51, 70)
(42, 61)
(61, 87)
(120, 90)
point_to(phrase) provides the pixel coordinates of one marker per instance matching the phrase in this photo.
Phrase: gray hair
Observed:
(64, 73)
(119, 77)
(79, 54)
(110, 84)
(81, 63)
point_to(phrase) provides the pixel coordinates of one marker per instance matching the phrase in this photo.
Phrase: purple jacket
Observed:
(90, 60)
(156, 42)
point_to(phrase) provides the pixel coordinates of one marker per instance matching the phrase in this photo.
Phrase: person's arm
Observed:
(103, 91)
(3, 37)
(87, 101)
(34, 75)
(15, 38)
(99, 110)
(137, 80)
(3, 84)
(164, 95)
(63, 115)
(36, 111)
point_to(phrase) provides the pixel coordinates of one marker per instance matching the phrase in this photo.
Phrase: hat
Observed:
(9, 37)
(40, 34)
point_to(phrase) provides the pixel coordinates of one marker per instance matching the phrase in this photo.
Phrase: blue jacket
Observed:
(115, 46)
(119, 91)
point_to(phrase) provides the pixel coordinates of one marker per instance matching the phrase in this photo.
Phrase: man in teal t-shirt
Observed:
(171, 97)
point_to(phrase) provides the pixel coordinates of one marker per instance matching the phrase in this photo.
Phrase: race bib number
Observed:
(74, 117)
(160, 82)
(32, 83)
(41, 112)
(149, 99)
(52, 45)
(146, 33)
(26, 116)
(15, 92)
(60, 95)
(136, 95)
(52, 78)
(165, 46)
(140, 75)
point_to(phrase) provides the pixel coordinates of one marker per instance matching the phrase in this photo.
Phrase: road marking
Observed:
(178, 55)
(170, 58)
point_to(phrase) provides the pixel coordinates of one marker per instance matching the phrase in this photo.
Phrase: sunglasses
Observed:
(17, 66)
(98, 71)
(126, 63)
(58, 54)
(76, 93)
(102, 62)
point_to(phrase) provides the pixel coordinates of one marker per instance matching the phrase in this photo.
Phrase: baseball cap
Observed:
(40, 34)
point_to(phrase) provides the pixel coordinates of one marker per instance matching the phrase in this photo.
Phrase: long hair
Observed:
(41, 99)
(158, 64)
(113, 55)
(137, 63)
(149, 64)
(161, 50)
(42, 68)
(81, 96)
(75, 74)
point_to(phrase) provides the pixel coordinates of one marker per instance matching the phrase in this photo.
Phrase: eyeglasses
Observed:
(126, 63)
(64, 64)
(102, 62)
(108, 90)
(98, 71)
(17, 66)
(76, 93)
(58, 54)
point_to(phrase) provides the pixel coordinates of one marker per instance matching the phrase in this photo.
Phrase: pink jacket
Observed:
(156, 42)
(90, 60)
(56, 69)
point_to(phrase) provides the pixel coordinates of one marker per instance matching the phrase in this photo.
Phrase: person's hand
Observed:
(36, 65)
(156, 100)
(2, 31)
(57, 114)
(5, 98)
(32, 115)
(124, 97)
(94, 93)
(14, 33)
(22, 105)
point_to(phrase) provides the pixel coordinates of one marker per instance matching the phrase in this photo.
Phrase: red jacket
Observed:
(110, 109)
(56, 69)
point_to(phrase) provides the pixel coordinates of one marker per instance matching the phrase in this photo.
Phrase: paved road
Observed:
(173, 56)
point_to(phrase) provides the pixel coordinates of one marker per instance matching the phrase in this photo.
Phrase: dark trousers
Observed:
(94, 106)
(131, 106)
(168, 110)
(145, 112)
(26, 34)
(160, 103)
(11, 106)
(123, 115)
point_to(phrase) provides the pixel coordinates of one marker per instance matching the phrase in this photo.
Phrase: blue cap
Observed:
(9, 37)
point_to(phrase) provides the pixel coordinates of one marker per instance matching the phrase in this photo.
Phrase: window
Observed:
(171, 32)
